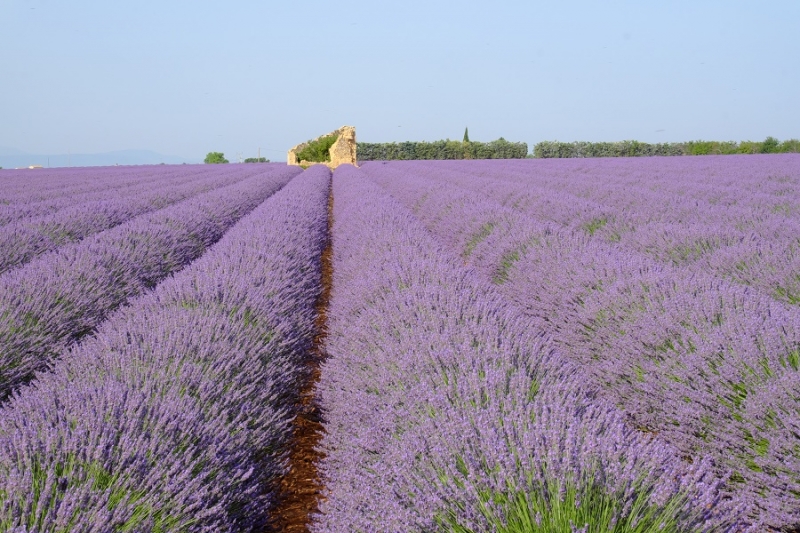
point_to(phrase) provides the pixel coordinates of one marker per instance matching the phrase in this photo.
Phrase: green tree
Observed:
(790, 145)
(769, 146)
(215, 158)
(317, 151)
(466, 135)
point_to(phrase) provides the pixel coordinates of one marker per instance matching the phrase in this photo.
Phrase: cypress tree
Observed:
(466, 135)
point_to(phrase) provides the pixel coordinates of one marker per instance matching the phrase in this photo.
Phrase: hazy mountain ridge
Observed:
(13, 158)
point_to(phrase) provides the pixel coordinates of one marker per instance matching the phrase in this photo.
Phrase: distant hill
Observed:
(6, 150)
(12, 158)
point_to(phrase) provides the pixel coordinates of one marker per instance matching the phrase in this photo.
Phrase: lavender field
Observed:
(510, 346)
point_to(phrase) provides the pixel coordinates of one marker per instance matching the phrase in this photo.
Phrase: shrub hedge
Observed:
(446, 149)
(317, 151)
(549, 149)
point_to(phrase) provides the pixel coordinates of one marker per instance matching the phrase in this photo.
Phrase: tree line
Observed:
(556, 149)
(213, 158)
(446, 149)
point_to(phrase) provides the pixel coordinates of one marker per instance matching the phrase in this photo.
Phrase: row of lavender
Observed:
(671, 190)
(175, 416)
(61, 296)
(447, 411)
(705, 363)
(28, 194)
(24, 186)
(23, 239)
(738, 218)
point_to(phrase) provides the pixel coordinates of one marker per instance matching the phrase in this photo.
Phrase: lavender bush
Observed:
(61, 296)
(737, 218)
(175, 416)
(692, 357)
(446, 411)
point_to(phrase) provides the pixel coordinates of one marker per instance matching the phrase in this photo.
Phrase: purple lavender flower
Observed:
(689, 345)
(446, 409)
(86, 214)
(63, 295)
(176, 415)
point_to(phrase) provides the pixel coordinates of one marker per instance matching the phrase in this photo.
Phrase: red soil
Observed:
(301, 488)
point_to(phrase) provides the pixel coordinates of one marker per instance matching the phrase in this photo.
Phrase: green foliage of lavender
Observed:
(555, 149)
(318, 150)
(447, 149)
(563, 506)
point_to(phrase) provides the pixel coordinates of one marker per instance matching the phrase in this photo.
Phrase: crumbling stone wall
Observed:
(342, 151)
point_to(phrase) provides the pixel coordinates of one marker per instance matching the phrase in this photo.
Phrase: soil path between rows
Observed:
(301, 488)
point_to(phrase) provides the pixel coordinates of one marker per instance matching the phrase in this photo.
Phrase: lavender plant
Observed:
(23, 240)
(61, 296)
(733, 218)
(687, 355)
(445, 411)
(176, 415)
(26, 195)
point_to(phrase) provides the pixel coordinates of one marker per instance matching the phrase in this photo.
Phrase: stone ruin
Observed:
(342, 151)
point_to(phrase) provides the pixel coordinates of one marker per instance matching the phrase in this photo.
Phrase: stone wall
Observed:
(342, 151)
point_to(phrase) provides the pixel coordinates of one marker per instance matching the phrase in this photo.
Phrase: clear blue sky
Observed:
(185, 78)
